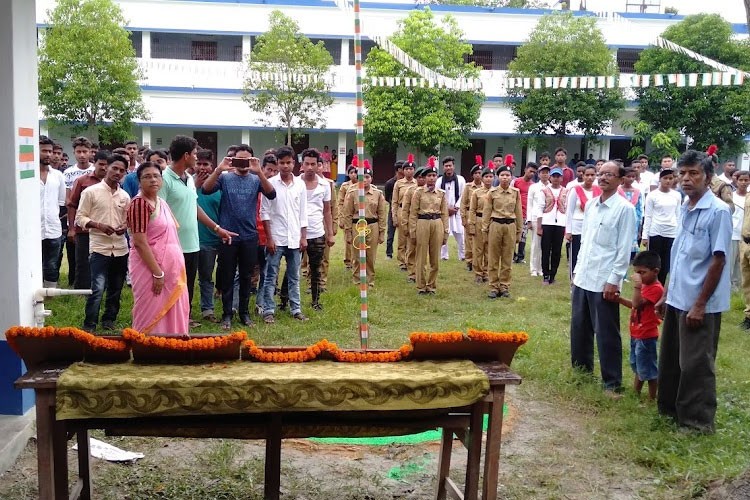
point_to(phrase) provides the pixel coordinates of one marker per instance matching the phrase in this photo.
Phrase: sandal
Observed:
(268, 319)
(194, 324)
(300, 317)
(226, 324)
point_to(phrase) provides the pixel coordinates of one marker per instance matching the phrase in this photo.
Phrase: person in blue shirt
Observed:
(694, 300)
(240, 187)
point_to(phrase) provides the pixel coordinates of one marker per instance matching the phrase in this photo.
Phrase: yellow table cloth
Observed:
(127, 390)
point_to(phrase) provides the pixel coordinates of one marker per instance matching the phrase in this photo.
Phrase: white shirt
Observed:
(531, 209)
(52, 197)
(606, 240)
(72, 173)
(572, 184)
(287, 212)
(737, 216)
(315, 199)
(454, 221)
(661, 214)
(648, 179)
(554, 217)
(725, 179)
(574, 213)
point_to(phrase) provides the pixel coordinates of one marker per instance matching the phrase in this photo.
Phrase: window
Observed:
(136, 39)
(204, 51)
(626, 59)
(482, 58)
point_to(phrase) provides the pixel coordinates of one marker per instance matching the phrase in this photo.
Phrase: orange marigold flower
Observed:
(97, 343)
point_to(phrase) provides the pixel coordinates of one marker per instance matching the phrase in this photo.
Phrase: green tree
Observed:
(708, 115)
(88, 74)
(563, 45)
(660, 143)
(424, 118)
(300, 99)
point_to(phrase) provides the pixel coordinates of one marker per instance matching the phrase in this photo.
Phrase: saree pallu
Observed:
(167, 313)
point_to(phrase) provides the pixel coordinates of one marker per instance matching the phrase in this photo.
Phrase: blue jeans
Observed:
(206, 264)
(107, 273)
(293, 257)
(50, 253)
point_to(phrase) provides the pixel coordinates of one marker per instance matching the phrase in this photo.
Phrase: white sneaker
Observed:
(534, 273)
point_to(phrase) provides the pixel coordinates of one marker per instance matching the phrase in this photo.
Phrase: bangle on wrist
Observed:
(216, 228)
(159, 276)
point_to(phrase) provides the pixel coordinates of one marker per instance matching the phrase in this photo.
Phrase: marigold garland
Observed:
(314, 351)
(436, 338)
(493, 337)
(92, 341)
(177, 344)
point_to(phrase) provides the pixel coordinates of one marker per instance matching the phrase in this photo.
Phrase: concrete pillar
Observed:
(145, 45)
(246, 137)
(247, 47)
(146, 136)
(341, 174)
(21, 272)
(603, 147)
(345, 51)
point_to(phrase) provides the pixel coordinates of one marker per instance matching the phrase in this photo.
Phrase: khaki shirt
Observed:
(424, 202)
(334, 202)
(476, 206)
(406, 204)
(503, 204)
(375, 208)
(340, 200)
(746, 220)
(466, 201)
(722, 191)
(399, 190)
(99, 203)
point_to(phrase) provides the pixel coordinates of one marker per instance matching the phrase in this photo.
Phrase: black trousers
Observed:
(687, 372)
(192, 260)
(390, 237)
(80, 262)
(575, 247)
(316, 247)
(552, 240)
(593, 317)
(241, 255)
(663, 247)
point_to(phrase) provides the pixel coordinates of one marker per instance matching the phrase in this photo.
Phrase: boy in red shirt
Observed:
(644, 324)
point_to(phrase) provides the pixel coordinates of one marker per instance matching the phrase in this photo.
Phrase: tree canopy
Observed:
(708, 115)
(88, 74)
(564, 45)
(423, 118)
(300, 99)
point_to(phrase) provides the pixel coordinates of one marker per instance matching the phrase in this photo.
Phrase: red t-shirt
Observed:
(568, 175)
(644, 324)
(523, 186)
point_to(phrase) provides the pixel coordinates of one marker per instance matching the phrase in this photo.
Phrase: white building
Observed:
(192, 53)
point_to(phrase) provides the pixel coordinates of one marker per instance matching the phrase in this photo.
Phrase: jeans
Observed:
(242, 255)
(206, 264)
(80, 258)
(50, 253)
(315, 249)
(391, 234)
(273, 261)
(107, 273)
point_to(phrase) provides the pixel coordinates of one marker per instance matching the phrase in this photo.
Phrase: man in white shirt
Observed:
(285, 222)
(728, 170)
(646, 178)
(535, 258)
(606, 239)
(661, 213)
(52, 197)
(453, 185)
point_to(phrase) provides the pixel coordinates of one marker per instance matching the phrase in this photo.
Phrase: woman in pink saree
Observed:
(157, 266)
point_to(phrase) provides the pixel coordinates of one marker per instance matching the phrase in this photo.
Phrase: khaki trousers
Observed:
(371, 241)
(403, 236)
(411, 256)
(501, 241)
(430, 234)
(745, 268)
(348, 255)
(469, 245)
(479, 260)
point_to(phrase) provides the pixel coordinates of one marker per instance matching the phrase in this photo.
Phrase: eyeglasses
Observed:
(608, 175)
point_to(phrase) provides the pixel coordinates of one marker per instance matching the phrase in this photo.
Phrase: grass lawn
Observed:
(628, 431)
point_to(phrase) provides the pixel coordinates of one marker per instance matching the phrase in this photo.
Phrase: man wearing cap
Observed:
(476, 212)
(606, 238)
(535, 259)
(375, 216)
(502, 220)
(428, 223)
(476, 182)
(550, 223)
(399, 191)
(453, 186)
(351, 171)
(411, 243)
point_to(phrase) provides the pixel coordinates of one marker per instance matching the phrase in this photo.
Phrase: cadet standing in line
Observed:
(411, 243)
(502, 222)
(351, 171)
(476, 182)
(375, 215)
(476, 212)
(399, 190)
(428, 223)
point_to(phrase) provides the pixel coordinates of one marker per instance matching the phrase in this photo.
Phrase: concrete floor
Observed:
(15, 432)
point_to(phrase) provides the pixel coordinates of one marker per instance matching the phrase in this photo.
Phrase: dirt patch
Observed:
(739, 489)
(546, 453)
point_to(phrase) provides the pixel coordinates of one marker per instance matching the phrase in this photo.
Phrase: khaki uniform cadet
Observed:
(399, 192)
(428, 223)
(476, 174)
(411, 243)
(352, 173)
(476, 212)
(502, 222)
(334, 223)
(376, 217)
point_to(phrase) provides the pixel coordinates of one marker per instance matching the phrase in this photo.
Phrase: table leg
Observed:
(474, 452)
(60, 458)
(84, 463)
(272, 484)
(492, 451)
(45, 419)
(444, 462)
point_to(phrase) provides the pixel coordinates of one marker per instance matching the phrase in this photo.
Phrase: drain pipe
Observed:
(41, 293)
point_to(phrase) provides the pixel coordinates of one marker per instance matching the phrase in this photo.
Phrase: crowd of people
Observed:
(157, 219)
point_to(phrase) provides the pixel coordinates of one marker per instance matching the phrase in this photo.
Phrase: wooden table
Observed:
(464, 422)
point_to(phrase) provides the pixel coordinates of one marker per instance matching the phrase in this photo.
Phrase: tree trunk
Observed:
(289, 135)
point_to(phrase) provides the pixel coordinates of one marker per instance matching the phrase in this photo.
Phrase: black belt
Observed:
(503, 221)
(479, 214)
(428, 216)
(369, 221)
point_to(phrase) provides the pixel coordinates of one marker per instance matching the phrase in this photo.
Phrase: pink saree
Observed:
(166, 313)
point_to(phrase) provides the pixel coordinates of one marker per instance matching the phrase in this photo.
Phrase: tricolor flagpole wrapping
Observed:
(363, 323)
